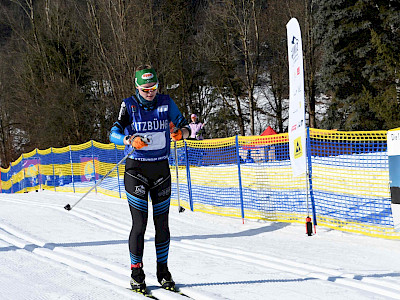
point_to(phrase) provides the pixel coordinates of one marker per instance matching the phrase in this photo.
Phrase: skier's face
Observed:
(148, 91)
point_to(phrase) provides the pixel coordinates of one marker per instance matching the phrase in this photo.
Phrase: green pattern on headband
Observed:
(145, 76)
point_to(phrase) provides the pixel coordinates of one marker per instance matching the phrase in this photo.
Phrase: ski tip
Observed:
(67, 207)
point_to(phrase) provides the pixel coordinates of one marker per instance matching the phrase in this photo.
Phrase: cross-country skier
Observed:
(143, 123)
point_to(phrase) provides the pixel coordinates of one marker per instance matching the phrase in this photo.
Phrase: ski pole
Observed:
(145, 139)
(69, 207)
(180, 208)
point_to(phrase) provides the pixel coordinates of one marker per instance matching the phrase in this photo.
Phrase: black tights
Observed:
(142, 179)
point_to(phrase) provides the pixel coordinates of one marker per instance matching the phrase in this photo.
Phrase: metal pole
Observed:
(39, 175)
(116, 158)
(310, 183)
(72, 168)
(94, 168)
(12, 184)
(180, 208)
(240, 177)
(54, 174)
(189, 180)
(22, 163)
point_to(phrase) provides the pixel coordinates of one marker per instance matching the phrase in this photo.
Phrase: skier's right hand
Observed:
(176, 135)
(135, 141)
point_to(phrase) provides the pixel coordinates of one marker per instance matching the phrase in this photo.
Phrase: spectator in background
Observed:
(197, 128)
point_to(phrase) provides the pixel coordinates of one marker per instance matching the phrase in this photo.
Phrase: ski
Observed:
(172, 290)
(176, 291)
(145, 293)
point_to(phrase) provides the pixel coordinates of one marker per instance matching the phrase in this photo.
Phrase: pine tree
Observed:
(356, 36)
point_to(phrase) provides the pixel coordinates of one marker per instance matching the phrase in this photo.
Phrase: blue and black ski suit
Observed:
(147, 170)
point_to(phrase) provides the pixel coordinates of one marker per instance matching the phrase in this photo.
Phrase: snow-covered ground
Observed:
(47, 252)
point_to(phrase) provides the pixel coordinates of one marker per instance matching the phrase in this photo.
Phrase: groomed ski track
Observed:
(118, 275)
(96, 267)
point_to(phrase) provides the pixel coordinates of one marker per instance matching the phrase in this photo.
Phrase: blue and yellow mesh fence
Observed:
(245, 177)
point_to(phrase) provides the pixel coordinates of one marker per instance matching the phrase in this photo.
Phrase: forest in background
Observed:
(65, 66)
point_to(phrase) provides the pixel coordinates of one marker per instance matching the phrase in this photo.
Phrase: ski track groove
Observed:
(84, 263)
(14, 238)
(380, 287)
(88, 263)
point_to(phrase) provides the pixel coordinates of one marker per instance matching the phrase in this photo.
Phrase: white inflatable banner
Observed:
(297, 124)
(393, 142)
(393, 151)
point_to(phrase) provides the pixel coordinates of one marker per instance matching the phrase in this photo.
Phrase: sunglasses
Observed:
(148, 89)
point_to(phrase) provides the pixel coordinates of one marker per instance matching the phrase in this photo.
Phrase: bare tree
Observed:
(312, 58)
(12, 139)
(275, 82)
(235, 46)
(51, 82)
(111, 26)
(7, 132)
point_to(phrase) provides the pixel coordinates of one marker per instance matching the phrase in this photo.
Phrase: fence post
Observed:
(22, 163)
(240, 176)
(116, 161)
(72, 168)
(94, 168)
(39, 175)
(12, 184)
(54, 174)
(310, 176)
(189, 182)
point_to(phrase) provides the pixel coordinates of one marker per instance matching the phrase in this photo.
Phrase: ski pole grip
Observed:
(145, 138)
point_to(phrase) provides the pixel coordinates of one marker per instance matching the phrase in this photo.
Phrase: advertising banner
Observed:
(88, 169)
(297, 124)
(31, 166)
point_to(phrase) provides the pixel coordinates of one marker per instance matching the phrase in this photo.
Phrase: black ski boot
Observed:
(164, 277)
(137, 279)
